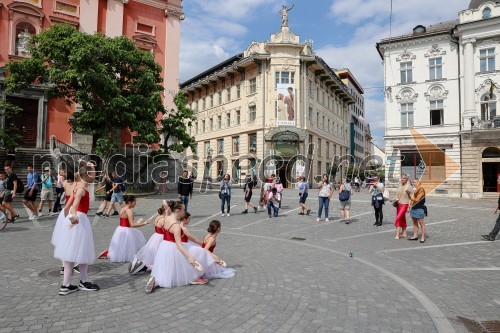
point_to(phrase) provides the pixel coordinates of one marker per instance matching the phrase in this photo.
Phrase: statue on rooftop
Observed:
(284, 16)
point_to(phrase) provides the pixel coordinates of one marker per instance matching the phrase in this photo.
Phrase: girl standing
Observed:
(401, 203)
(75, 243)
(217, 270)
(345, 190)
(324, 196)
(126, 240)
(303, 187)
(416, 208)
(174, 265)
(225, 193)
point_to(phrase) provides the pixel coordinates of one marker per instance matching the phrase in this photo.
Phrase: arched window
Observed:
(23, 34)
(486, 13)
(488, 106)
(491, 152)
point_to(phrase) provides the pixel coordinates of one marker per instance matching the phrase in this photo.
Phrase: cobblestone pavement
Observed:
(340, 278)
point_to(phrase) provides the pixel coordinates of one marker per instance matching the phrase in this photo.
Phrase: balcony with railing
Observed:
(479, 124)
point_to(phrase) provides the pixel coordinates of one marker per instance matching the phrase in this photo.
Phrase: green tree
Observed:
(175, 124)
(10, 136)
(117, 85)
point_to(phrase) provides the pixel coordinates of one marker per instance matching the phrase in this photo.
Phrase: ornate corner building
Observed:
(443, 81)
(277, 98)
(154, 25)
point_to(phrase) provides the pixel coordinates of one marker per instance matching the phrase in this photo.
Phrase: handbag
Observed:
(395, 203)
(344, 195)
(425, 210)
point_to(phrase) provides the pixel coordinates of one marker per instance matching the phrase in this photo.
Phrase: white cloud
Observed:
(234, 9)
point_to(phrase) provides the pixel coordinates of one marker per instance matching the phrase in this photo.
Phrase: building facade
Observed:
(153, 24)
(265, 108)
(442, 82)
(358, 127)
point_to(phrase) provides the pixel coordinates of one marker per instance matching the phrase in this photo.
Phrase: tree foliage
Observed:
(117, 85)
(175, 124)
(10, 136)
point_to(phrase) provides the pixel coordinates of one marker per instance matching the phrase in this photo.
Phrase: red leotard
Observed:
(211, 249)
(168, 236)
(159, 230)
(124, 222)
(84, 203)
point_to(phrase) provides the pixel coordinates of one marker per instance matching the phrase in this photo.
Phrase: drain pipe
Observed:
(455, 41)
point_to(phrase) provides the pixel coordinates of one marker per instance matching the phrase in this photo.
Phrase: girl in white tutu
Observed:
(187, 236)
(127, 240)
(75, 242)
(144, 259)
(174, 265)
(217, 270)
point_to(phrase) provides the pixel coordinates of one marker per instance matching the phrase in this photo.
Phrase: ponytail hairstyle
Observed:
(213, 226)
(174, 205)
(128, 199)
(186, 216)
(70, 175)
(84, 171)
(161, 210)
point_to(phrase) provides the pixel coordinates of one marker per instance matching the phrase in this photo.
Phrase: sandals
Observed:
(413, 239)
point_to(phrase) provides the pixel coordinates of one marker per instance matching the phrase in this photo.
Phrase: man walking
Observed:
(496, 229)
(249, 184)
(31, 192)
(46, 194)
(185, 189)
(116, 193)
(10, 192)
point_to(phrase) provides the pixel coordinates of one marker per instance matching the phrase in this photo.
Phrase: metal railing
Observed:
(479, 124)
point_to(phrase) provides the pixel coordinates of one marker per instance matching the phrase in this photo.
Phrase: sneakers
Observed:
(223, 214)
(488, 238)
(33, 217)
(255, 210)
(138, 267)
(98, 214)
(40, 214)
(308, 211)
(318, 219)
(270, 216)
(76, 270)
(52, 213)
(106, 215)
(245, 211)
(327, 220)
(150, 285)
(115, 213)
(61, 271)
(88, 286)
(228, 214)
(63, 291)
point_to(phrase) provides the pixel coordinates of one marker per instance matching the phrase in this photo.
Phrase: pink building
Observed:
(154, 25)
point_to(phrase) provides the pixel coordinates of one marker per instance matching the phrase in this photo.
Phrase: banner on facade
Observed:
(285, 104)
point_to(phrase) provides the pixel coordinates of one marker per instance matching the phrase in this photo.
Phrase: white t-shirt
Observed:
(277, 196)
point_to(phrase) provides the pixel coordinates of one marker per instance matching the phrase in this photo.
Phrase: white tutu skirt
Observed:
(171, 268)
(216, 271)
(200, 255)
(75, 244)
(148, 252)
(61, 223)
(124, 244)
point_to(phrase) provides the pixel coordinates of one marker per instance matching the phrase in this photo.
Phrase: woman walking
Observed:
(303, 187)
(377, 192)
(249, 185)
(324, 196)
(225, 193)
(401, 203)
(345, 194)
(417, 213)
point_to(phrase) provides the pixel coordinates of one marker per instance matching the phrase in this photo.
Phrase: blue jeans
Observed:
(496, 228)
(223, 199)
(323, 202)
(185, 200)
(271, 205)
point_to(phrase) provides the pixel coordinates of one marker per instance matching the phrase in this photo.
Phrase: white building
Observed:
(442, 81)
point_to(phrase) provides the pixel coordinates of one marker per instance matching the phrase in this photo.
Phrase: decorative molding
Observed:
(144, 41)
(25, 9)
(253, 48)
(407, 95)
(175, 12)
(435, 92)
(435, 51)
(66, 8)
(406, 55)
(56, 19)
(468, 41)
(37, 3)
(485, 87)
(487, 42)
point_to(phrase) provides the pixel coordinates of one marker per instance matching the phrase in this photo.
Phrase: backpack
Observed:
(20, 186)
(345, 194)
(122, 187)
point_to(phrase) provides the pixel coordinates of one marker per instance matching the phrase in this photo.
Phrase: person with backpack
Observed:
(29, 200)
(13, 185)
(345, 194)
(249, 185)
(116, 193)
(46, 194)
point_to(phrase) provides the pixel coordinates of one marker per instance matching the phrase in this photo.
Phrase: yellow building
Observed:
(274, 108)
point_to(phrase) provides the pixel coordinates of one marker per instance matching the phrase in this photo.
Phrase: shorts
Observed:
(8, 196)
(302, 199)
(117, 197)
(29, 197)
(107, 197)
(345, 204)
(417, 213)
(247, 199)
(46, 194)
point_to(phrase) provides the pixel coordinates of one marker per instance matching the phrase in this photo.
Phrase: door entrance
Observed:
(26, 120)
(284, 172)
(491, 177)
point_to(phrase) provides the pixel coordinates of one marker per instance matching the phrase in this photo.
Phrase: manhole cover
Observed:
(54, 272)
(298, 238)
(480, 327)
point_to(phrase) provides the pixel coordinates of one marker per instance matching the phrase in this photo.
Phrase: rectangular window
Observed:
(211, 124)
(317, 119)
(252, 113)
(236, 145)
(487, 60)
(211, 101)
(406, 115)
(319, 147)
(203, 124)
(219, 95)
(328, 150)
(207, 149)
(252, 86)
(229, 94)
(204, 105)
(436, 113)
(435, 69)
(220, 147)
(310, 116)
(252, 143)
(406, 72)
(196, 127)
(238, 118)
(219, 121)
(319, 168)
(228, 119)
(310, 88)
(238, 91)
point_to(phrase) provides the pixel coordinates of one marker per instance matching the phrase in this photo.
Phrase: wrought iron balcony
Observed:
(480, 124)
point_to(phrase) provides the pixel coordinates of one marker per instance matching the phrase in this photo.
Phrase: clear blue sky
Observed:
(344, 34)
